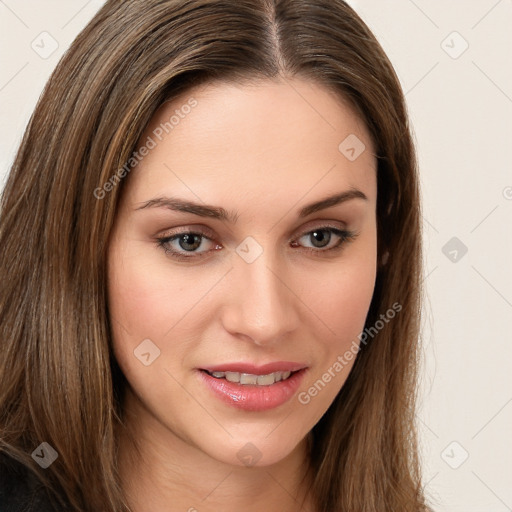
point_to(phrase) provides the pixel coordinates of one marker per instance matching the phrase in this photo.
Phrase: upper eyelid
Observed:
(325, 225)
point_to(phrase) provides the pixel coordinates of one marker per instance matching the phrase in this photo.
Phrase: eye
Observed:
(324, 236)
(186, 245)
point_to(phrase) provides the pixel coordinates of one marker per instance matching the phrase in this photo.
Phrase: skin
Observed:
(263, 150)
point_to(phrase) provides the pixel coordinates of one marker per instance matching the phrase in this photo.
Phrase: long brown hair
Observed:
(59, 382)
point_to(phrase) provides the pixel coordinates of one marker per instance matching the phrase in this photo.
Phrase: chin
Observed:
(255, 452)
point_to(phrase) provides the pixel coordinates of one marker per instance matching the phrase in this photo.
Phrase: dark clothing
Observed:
(20, 490)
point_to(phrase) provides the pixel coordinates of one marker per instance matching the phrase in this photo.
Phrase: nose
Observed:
(259, 301)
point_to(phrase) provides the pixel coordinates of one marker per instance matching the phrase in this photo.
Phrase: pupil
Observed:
(189, 240)
(322, 238)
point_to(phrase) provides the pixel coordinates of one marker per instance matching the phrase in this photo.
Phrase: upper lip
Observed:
(265, 369)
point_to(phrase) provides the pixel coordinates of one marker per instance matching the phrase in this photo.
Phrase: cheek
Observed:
(342, 302)
(140, 304)
(151, 298)
(144, 295)
(145, 304)
(341, 297)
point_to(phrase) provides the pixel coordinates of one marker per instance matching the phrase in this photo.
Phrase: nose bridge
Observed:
(261, 305)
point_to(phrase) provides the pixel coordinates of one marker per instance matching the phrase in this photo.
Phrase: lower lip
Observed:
(252, 397)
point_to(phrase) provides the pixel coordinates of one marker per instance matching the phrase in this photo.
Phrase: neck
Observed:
(163, 473)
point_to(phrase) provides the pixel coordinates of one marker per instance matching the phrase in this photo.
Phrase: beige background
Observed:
(460, 101)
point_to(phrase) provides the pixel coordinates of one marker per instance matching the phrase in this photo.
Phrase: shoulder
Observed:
(20, 490)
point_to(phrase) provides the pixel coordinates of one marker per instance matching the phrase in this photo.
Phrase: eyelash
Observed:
(344, 235)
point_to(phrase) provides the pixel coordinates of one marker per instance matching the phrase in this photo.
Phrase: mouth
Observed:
(253, 388)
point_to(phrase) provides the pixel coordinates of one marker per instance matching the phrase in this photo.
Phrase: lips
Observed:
(253, 388)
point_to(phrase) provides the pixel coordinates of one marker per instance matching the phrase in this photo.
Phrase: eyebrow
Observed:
(217, 212)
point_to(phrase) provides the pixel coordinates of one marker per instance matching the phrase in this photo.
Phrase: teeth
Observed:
(266, 380)
(248, 378)
(251, 379)
(233, 376)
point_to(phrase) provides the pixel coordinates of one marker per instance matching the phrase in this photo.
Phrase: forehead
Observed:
(265, 139)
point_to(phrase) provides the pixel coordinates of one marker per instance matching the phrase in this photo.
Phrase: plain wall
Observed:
(460, 102)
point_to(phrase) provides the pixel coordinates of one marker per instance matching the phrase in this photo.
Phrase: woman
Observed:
(218, 305)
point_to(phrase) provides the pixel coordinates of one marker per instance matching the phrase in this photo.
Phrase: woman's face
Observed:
(220, 261)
